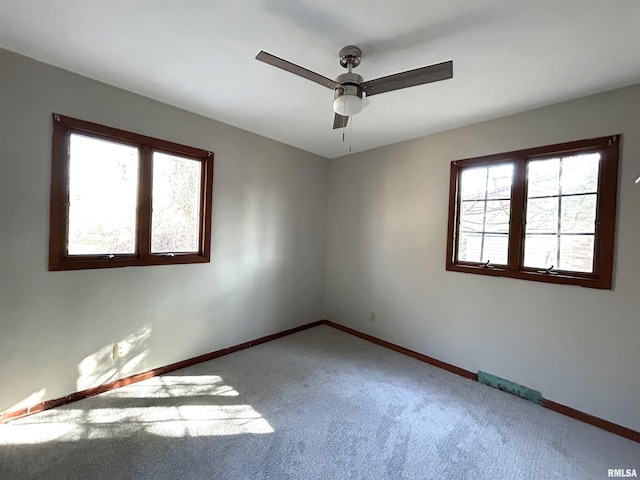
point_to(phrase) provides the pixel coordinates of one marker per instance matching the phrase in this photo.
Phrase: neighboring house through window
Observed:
(545, 214)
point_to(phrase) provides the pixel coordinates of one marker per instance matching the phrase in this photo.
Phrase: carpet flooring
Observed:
(319, 404)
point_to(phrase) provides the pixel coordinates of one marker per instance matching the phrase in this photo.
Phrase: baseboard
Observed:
(556, 407)
(74, 397)
(591, 420)
(405, 351)
(138, 377)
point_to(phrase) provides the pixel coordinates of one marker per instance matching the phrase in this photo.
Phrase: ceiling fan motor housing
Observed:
(349, 85)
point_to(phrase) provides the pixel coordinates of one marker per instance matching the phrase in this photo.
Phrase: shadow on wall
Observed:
(101, 367)
(256, 262)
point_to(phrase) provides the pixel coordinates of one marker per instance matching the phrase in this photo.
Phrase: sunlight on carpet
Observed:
(182, 418)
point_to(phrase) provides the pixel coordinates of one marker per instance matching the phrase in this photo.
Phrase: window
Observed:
(121, 199)
(545, 214)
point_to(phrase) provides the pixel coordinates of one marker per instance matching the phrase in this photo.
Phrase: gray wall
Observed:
(386, 254)
(268, 253)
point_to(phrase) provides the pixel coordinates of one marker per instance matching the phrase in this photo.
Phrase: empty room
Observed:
(278, 239)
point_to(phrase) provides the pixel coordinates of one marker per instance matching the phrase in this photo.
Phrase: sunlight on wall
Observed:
(100, 367)
(31, 400)
(168, 406)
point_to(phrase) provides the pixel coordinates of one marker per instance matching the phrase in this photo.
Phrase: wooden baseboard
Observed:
(556, 407)
(591, 420)
(74, 397)
(89, 392)
(405, 351)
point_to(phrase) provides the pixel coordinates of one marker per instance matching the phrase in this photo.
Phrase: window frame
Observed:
(604, 237)
(59, 259)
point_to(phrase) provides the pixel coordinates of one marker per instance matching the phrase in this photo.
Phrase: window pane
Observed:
(175, 219)
(576, 253)
(578, 214)
(543, 177)
(473, 183)
(542, 215)
(492, 182)
(498, 215)
(493, 248)
(485, 212)
(541, 251)
(499, 181)
(496, 249)
(471, 216)
(580, 173)
(103, 189)
(564, 180)
(470, 247)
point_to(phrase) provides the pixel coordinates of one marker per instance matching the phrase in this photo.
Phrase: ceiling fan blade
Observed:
(340, 121)
(410, 78)
(296, 70)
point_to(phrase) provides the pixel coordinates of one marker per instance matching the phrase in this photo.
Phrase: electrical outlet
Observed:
(372, 317)
(117, 351)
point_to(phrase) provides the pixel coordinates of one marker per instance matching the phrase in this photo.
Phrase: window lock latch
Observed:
(110, 256)
(548, 271)
(486, 264)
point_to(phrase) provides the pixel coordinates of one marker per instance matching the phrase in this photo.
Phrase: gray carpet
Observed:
(320, 404)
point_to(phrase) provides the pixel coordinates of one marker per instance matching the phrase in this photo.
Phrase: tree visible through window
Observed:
(544, 214)
(175, 218)
(120, 199)
(561, 212)
(484, 214)
(103, 196)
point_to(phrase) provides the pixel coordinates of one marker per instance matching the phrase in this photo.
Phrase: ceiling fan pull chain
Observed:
(350, 135)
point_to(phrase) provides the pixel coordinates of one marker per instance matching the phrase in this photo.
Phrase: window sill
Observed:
(90, 262)
(557, 277)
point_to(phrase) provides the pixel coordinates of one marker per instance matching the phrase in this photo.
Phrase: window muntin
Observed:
(484, 214)
(562, 195)
(561, 208)
(105, 184)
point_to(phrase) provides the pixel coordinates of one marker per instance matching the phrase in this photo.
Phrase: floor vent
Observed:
(510, 387)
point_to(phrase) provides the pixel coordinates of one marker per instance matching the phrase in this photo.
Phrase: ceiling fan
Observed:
(350, 87)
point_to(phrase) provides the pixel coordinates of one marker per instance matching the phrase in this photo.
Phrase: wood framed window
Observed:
(546, 214)
(121, 199)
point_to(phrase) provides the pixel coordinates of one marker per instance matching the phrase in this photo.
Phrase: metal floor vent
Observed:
(510, 387)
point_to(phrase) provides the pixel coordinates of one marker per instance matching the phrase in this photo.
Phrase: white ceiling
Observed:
(509, 56)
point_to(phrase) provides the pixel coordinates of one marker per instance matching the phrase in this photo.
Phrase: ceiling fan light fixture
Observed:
(350, 87)
(347, 99)
(348, 105)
